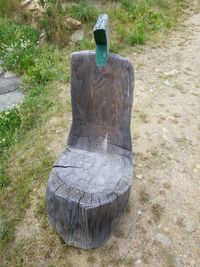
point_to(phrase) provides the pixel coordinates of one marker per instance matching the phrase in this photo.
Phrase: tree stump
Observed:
(89, 186)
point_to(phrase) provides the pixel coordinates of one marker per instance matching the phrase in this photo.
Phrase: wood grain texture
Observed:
(89, 186)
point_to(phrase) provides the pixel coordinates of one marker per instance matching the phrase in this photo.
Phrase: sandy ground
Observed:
(161, 225)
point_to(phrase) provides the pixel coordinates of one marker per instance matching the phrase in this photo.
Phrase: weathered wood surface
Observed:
(89, 186)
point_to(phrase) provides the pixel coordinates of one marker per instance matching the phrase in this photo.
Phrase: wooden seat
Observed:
(89, 186)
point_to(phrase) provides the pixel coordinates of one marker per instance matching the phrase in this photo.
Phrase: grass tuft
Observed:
(83, 11)
(157, 211)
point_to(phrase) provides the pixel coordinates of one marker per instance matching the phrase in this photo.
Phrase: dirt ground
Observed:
(161, 224)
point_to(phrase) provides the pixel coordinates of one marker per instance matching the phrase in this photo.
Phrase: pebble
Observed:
(163, 239)
(166, 229)
(167, 82)
(171, 73)
(77, 36)
(26, 2)
(162, 115)
(197, 166)
(164, 130)
(192, 263)
(165, 137)
(190, 227)
(138, 261)
(9, 74)
(139, 176)
(1, 71)
(198, 244)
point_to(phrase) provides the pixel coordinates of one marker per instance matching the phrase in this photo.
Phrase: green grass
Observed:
(20, 127)
(9, 7)
(83, 11)
(18, 45)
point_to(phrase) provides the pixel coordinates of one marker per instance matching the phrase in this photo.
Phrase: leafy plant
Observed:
(18, 46)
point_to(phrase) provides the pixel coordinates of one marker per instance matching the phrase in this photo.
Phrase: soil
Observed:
(161, 224)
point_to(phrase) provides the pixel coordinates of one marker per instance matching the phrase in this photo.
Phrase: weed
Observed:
(129, 6)
(144, 117)
(126, 261)
(157, 211)
(180, 222)
(91, 259)
(167, 185)
(154, 152)
(144, 196)
(138, 36)
(4, 178)
(119, 233)
(3, 227)
(166, 254)
(40, 210)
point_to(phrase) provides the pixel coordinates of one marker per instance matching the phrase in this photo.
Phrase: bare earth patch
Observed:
(161, 225)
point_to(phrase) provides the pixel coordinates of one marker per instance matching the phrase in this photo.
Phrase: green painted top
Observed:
(101, 36)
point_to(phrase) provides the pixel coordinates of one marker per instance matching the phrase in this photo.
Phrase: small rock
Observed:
(9, 74)
(172, 118)
(1, 71)
(72, 23)
(10, 99)
(8, 85)
(163, 239)
(26, 3)
(167, 82)
(77, 36)
(165, 137)
(140, 165)
(166, 229)
(164, 130)
(198, 244)
(162, 115)
(190, 227)
(171, 73)
(33, 6)
(42, 38)
(192, 263)
(139, 176)
(138, 261)
(197, 166)
(151, 90)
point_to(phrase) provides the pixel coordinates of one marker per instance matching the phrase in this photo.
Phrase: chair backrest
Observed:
(101, 102)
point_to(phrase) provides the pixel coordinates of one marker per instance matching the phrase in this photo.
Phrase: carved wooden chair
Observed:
(89, 186)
